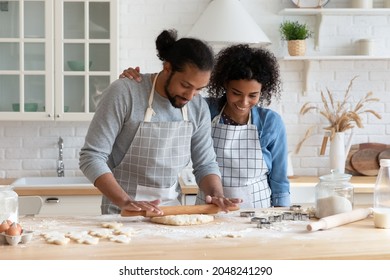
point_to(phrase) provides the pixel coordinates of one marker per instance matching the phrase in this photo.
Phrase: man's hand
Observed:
(148, 206)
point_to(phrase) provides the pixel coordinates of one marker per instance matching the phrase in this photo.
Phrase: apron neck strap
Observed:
(218, 117)
(150, 112)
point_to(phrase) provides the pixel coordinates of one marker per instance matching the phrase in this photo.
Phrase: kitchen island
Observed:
(229, 237)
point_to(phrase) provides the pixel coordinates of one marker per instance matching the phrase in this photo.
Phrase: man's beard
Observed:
(170, 96)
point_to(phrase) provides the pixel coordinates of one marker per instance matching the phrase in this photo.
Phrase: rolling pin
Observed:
(339, 219)
(179, 210)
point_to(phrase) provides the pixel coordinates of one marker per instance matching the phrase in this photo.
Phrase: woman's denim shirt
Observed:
(273, 141)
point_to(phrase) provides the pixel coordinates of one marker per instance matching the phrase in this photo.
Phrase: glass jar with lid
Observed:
(9, 206)
(334, 194)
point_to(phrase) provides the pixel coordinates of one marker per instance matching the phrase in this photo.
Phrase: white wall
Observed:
(29, 148)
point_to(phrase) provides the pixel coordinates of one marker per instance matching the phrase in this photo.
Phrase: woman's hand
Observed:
(131, 73)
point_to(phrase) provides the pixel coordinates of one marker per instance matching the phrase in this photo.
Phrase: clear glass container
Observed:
(334, 194)
(9, 207)
(382, 195)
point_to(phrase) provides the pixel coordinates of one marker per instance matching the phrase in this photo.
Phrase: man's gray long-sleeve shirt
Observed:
(118, 117)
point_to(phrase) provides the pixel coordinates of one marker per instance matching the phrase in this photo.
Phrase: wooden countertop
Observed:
(362, 184)
(284, 240)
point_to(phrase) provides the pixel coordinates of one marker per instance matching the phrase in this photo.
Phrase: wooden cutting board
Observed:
(385, 154)
(365, 161)
(363, 158)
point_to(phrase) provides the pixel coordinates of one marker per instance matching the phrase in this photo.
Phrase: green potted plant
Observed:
(295, 34)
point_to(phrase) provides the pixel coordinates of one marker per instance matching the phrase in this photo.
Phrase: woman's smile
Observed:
(241, 96)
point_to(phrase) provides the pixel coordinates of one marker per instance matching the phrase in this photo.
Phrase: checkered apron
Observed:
(241, 162)
(150, 168)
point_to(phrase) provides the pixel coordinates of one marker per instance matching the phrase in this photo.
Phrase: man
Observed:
(138, 143)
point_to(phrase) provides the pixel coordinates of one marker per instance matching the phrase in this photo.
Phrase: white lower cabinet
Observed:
(71, 205)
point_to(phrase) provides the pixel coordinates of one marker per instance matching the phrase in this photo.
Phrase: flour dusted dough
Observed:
(55, 237)
(112, 225)
(82, 237)
(120, 238)
(183, 220)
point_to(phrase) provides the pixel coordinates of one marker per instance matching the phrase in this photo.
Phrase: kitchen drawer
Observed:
(71, 205)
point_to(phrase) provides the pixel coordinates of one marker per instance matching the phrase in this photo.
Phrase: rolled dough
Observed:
(183, 220)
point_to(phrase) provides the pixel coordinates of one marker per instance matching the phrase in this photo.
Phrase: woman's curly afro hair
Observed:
(241, 62)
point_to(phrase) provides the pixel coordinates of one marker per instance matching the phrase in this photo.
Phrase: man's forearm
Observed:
(108, 186)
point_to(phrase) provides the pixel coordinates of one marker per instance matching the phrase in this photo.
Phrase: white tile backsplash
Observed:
(29, 148)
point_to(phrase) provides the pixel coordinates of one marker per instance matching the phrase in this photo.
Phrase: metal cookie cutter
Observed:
(257, 220)
(264, 225)
(304, 217)
(275, 218)
(295, 207)
(288, 216)
(247, 214)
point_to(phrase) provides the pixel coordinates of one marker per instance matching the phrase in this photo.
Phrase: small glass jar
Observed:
(9, 206)
(334, 194)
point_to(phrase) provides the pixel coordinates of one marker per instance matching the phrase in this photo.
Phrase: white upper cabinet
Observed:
(56, 57)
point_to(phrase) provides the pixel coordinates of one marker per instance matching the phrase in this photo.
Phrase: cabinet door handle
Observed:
(52, 200)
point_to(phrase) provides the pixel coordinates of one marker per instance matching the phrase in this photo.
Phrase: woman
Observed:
(250, 141)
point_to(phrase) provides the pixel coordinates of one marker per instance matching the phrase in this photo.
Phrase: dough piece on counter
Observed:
(230, 235)
(74, 235)
(82, 237)
(212, 236)
(183, 220)
(89, 240)
(59, 240)
(124, 231)
(112, 225)
(233, 235)
(55, 237)
(101, 232)
(120, 238)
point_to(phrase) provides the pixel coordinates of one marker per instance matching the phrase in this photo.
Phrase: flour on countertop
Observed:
(225, 226)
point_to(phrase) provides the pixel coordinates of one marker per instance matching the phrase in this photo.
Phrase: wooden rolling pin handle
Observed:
(177, 210)
(339, 219)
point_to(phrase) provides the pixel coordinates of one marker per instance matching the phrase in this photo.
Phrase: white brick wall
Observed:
(29, 148)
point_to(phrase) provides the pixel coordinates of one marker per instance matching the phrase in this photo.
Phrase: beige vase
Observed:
(296, 47)
(337, 153)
